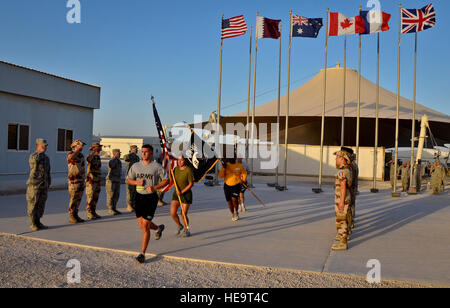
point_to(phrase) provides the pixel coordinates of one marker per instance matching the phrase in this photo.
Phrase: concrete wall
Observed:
(304, 160)
(43, 118)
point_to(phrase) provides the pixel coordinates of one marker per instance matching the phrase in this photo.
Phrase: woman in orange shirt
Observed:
(233, 174)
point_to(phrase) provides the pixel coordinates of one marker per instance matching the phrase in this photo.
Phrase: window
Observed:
(18, 137)
(65, 139)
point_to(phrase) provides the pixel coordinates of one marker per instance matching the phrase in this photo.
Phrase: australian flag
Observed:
(306, 27)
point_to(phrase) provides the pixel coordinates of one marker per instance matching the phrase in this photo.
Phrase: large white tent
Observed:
(306, 111)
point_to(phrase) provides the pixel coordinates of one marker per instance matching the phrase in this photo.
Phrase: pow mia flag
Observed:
(200, 157)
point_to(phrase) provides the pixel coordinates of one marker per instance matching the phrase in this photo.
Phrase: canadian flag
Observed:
(340, 24)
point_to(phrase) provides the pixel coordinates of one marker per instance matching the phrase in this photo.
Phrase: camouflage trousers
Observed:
(76, 193)
(131, 195)
(112, 194)
(343, 220)
(36, 198)
(437, 187)
(405, 184)
(92, 194)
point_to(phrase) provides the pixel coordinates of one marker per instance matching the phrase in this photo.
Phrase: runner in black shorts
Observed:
(233, 174)
(145, 176)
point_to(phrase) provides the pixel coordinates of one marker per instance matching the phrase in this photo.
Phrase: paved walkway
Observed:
(410, 236)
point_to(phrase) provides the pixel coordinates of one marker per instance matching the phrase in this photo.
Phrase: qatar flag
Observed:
(341, 24)
(267, 28)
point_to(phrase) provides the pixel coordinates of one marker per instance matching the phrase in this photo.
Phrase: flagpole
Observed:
(286, 130)
(248, 96)
(413, 129)
(254, 101)
(358, 116)
(375, 152)
(343, 101)
(319, 189)
(217, 141)
(394, 193)
(278, 103)
(276, 184)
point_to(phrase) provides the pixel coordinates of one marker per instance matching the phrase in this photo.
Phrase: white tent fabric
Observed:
(306, 101)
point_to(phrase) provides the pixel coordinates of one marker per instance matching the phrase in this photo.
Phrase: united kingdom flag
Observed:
(416, 20)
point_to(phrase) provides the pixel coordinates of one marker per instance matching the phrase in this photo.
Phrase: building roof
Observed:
(19, 80)
(307, 100)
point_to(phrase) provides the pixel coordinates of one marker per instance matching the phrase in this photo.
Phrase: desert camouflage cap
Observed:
(134, 147)
(95, 145)
(77, 142)
(114, 151)
(343, 154)
(40, 141)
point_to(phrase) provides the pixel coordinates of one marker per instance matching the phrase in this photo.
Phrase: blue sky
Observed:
(171, 49)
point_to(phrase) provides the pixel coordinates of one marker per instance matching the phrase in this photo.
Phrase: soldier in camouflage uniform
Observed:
(76, 178)
(38, 184)
(113, 180)
(392, 171)
(93, 180)
(131, 159)
(405, 172)
(437, 178)
(342, 199)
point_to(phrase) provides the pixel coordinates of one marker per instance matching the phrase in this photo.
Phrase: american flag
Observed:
(168, 159)
(234, 26)
(416, 20)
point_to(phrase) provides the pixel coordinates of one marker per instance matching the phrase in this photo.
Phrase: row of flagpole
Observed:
(251, 125)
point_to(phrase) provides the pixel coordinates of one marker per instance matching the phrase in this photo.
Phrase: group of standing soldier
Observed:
(79, 181)
(437, 174)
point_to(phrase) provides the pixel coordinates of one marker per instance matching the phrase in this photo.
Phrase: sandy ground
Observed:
(35, 263)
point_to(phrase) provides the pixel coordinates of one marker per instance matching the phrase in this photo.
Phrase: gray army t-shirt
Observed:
(151, 174)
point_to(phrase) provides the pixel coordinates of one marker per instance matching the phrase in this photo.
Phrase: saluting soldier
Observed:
(405, 172)
(355, 173)
(343, 188)
(113, 180)
(130, 160)
(437, 177)
(38, 184)
(392, 171)
(93, 180)
(76, 179)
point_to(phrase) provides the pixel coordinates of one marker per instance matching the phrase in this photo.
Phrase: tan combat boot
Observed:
(91, 216)
(72, 219)
(342, 245)
(130, 209)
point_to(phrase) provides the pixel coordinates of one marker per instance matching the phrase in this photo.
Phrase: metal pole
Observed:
(248, 96)
(253, 110)
(394, 193)
(319, 190)
(278, 104)
(358, 116)
(413, 129)
(375, 152)
(217, 141)
(343, 101)
(286, 130)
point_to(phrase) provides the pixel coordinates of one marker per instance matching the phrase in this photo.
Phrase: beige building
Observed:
(35, 104)
(123, 144)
